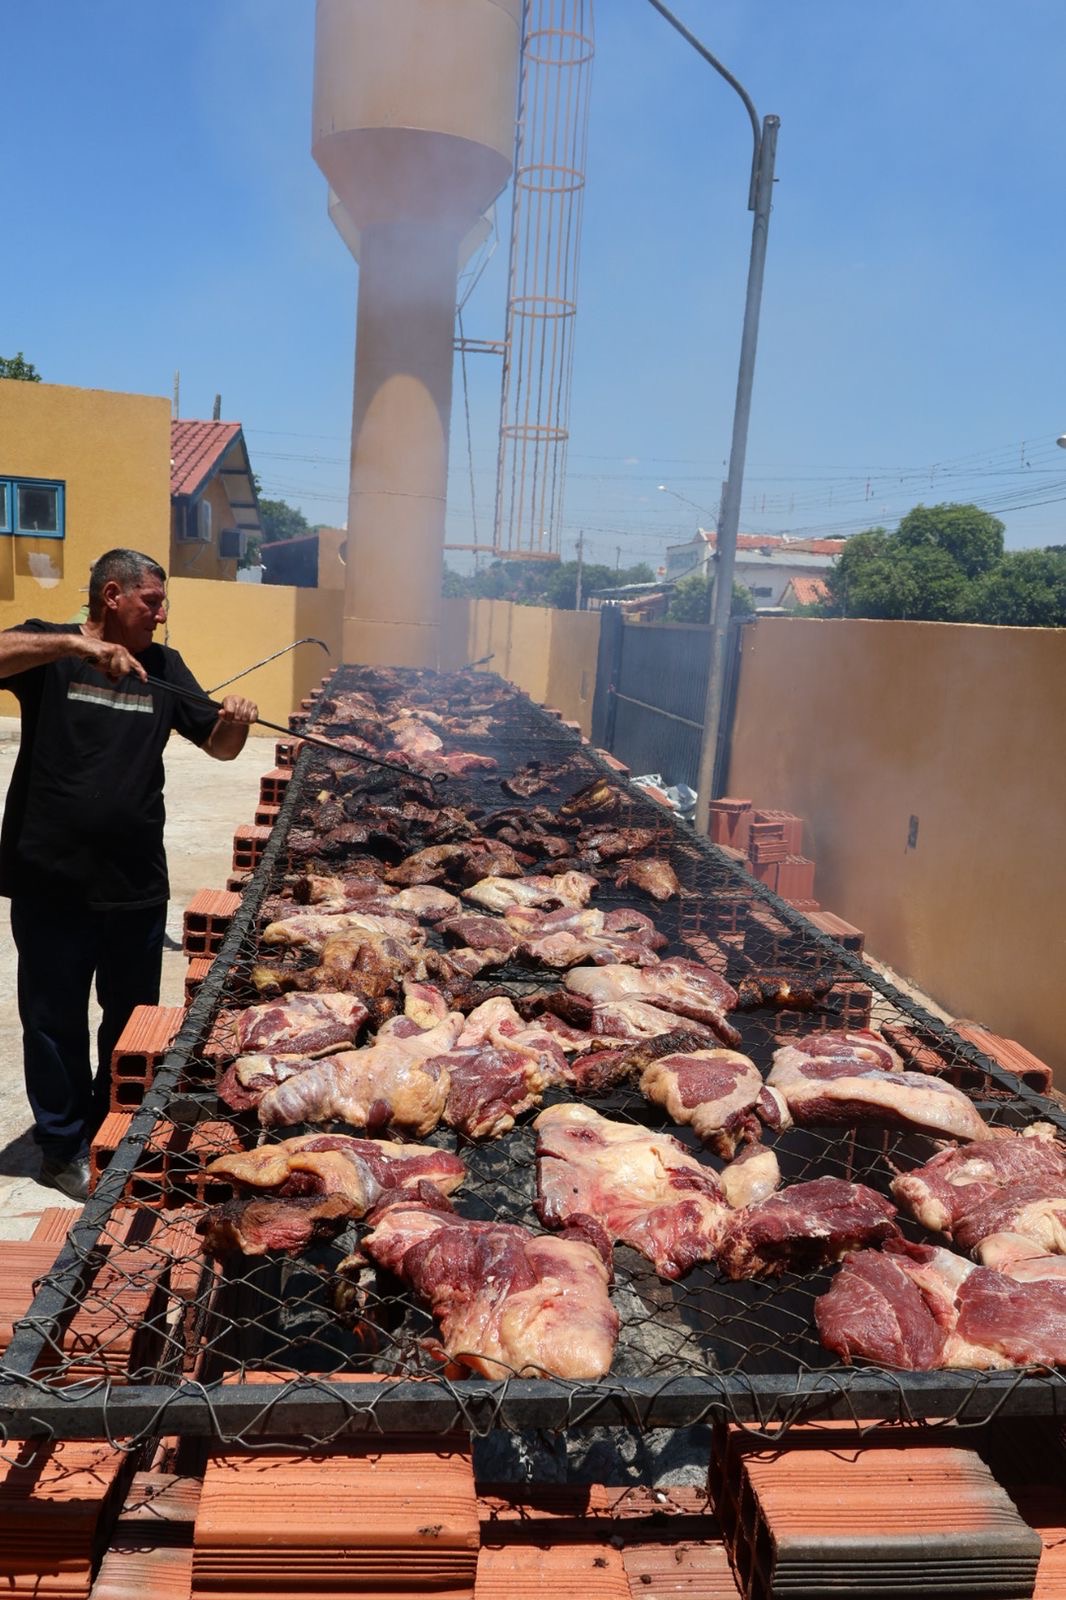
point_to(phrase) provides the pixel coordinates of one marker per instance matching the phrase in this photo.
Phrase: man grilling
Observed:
(81, 850)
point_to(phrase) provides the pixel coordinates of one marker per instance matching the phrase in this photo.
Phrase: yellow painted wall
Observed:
(549, 654)
(112, 451)
(858, 726)
(221, 628)
(191, 559)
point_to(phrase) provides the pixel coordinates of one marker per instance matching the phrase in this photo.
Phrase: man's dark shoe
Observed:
(69, 1177)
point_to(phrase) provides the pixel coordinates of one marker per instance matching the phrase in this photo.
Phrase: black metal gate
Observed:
(651, 684)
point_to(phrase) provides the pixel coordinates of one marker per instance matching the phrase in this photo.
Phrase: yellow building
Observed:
(85, 470)
(81, 471)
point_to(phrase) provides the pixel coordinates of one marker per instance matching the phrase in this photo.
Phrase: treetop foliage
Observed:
(947, 563)
(540, 583)
(18, 367)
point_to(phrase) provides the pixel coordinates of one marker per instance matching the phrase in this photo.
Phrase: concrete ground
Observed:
(205, 801)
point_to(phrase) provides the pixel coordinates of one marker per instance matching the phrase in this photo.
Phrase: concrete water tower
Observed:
(414, 128)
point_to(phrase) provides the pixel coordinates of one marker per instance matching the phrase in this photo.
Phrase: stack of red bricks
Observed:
(771, 841)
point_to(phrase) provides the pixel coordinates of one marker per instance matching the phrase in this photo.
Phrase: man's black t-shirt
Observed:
(84, 815)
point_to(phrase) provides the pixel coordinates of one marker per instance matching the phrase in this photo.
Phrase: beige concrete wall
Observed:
(220, 628)
(549, 654)
(859, 726)
(112, 452)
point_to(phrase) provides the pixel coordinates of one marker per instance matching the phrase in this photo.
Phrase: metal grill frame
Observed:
(318, 1410)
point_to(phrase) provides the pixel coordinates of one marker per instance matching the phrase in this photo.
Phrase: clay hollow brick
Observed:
(139, 1051)
(207, 919)
(249, 842)
(273, 784)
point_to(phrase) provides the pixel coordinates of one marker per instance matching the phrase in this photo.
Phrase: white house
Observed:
(765, 563)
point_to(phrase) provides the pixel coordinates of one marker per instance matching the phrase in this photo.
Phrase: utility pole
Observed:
(175, 408)
(216, 409)
(617, 559)
(760, 197)
(580, 560)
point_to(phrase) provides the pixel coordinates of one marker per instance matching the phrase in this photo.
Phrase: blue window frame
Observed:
(34, 508)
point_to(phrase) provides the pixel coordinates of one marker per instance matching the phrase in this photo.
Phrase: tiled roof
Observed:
(771, 541)
(195, 449)
(808, 591)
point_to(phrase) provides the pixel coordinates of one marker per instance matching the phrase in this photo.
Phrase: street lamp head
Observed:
(1061, 440)
(662, 486)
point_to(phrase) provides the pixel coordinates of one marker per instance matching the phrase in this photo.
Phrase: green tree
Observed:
(692, 600)
(971, 537)
(279, 520)
(540, 583)
(1025, 589)
(19, 367)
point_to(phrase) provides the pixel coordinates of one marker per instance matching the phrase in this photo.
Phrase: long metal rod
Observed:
(729, 521)
(266, 659)
(433, 780)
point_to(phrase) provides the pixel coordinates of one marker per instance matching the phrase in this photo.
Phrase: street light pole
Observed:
(760, 197)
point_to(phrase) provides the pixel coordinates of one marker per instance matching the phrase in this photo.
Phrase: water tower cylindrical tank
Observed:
(414, 108)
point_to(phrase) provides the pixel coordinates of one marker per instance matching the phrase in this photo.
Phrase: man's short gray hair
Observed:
(124, 567)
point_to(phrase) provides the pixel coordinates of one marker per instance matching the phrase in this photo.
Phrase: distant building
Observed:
(213, 503)
(804, 592)
(765, 563)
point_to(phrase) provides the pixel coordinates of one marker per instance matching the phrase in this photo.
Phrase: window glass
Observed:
(38, 508)
(5, 507)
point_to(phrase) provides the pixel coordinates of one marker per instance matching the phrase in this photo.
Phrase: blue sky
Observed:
(163, 212)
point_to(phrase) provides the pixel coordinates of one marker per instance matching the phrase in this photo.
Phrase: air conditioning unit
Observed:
(232, 544)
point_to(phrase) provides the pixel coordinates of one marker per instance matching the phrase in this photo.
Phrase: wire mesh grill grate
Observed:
(135, 1331)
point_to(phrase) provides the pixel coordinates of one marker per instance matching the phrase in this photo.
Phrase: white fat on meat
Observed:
(751, 1176)
(313, 928)
(393, 1082)
(719, 1093)
(537, 890)
(645, 1189)
(827, 1079)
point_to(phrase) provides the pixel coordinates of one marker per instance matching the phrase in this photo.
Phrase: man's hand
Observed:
(112, 659)
(227, 737)
(234, 709)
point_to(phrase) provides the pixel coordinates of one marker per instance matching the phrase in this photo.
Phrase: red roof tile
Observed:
(808, 591)
(777, 541)
(195, 448)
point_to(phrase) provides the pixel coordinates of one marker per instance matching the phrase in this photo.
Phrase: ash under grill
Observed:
(198, 1346)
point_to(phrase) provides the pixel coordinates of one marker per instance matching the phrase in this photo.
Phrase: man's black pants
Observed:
(60, 947)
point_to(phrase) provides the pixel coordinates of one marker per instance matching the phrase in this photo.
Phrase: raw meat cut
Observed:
(922, 1307)
(804, 1227)
(499, 1068)
(598, 798)
(253, 1225)
(644, 1188)
(301, 1024)
(353, 961)
(1019, 1258)
(654, 877)
(508, 1301)
(335, 1163)
(563, 938)
(610, 844)
(751, 1176)
(719, 1092)
(688, 988)
(828, 1079)
(565, 889)
(393, 1082)
(313, 928)
(246, 1080)
(960, 1182)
